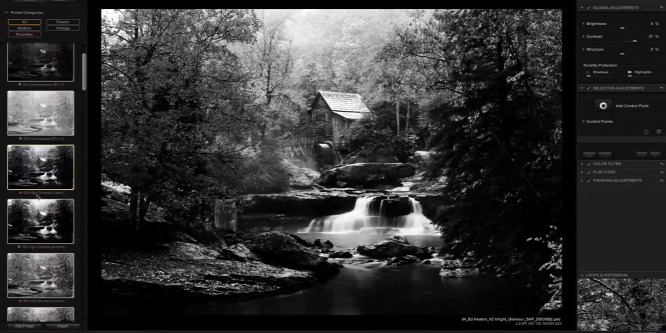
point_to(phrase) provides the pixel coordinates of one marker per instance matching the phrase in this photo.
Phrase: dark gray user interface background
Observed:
(621, 228)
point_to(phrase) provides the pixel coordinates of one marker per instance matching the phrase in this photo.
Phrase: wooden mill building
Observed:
(325, 140)
(331, 113)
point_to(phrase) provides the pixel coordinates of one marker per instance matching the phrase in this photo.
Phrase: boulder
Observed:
(324, 244)
(238, 252)
(280, 249)
(301, 241)
(341, 254)
(400, 239)
(152, 277)
(387, 249)
(403, 260)
(366, 175)
(395, 206)
(423, 253)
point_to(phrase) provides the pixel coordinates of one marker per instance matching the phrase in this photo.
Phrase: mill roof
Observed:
(343, 102)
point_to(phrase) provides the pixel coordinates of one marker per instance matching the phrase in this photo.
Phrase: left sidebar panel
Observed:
(43, 144)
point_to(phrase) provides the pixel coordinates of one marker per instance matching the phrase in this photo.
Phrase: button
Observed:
(641, 154)
(24, 326)
(658, 131)
(605, 154)
(25, 34)
(24, 22)
(63, 22)
(646, 132)
(655, 154)
(24, 28)
(589, 154)
(63, 28)
(63, 326)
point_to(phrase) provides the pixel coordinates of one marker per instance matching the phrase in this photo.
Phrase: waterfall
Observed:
(415, 223)
(360, 219)
(355, 220)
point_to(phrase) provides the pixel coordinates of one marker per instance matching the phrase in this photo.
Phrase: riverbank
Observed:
(165, 266)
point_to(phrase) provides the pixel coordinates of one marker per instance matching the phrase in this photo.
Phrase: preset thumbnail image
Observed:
(40, 113)
(621, 304)
(40, 167)
(40, 62)
(40, 314)
(40, 275)
(40, 221)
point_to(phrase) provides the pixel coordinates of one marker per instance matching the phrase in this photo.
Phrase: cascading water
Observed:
(348, 222)
(415, 223)
(360, 219)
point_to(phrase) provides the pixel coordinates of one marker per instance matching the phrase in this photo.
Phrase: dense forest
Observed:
(621, 304)
(192, 99)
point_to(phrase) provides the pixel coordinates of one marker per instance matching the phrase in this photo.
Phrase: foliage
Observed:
(173, 119)
(269, 64)
(265, 173)
(18, 212)
(494, 78)
(621, 304)
(367, 137)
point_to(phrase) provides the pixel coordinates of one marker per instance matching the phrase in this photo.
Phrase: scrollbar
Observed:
(84, 71)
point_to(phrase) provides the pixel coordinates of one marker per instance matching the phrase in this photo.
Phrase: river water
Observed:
(375, 288)
(404, 290)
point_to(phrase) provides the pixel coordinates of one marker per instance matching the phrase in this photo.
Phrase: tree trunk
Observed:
(133, 207)
(144, 204)
(397, 116)
(407, 118)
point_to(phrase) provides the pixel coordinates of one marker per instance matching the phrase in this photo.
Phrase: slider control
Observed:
(84, 72)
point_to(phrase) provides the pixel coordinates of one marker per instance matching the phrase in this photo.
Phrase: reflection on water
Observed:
(414, 289)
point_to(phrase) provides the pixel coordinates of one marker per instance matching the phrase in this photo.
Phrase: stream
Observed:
(376, 288)
(404, 290)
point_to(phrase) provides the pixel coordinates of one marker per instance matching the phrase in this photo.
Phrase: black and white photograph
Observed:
(40, 167)
(40, 315)
(40, 275)
(621, 304)
(40, 62)
(40, 113)
(332, 162)
(45, 221)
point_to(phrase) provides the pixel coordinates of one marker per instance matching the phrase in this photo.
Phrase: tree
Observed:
(173, 120)
(18, 214)
(63, 213)
(62, 158)
(494, 80)
(370, 135)
(621, 304)
(270, 63)
(64, 271)
(18, 160)
(64, 111)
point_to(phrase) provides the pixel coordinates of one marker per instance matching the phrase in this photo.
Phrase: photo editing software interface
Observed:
(333, 169)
